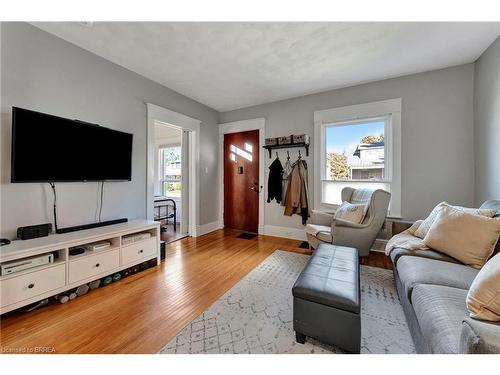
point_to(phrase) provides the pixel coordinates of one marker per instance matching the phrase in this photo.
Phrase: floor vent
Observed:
(246, 235)
(304, 245)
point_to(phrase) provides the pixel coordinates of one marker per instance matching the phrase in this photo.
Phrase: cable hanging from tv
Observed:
(53, 186)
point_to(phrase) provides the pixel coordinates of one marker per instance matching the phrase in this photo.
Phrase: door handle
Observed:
(256, 188)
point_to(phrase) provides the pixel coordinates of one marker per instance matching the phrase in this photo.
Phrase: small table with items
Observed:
(165, 209)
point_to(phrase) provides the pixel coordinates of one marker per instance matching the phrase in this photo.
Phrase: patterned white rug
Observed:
(255, 316)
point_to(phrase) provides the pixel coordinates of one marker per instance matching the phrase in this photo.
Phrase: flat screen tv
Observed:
(48, 148)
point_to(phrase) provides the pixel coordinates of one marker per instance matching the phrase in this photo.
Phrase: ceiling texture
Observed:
(234, 65)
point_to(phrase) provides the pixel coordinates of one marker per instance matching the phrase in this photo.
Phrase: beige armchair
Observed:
(345, 233)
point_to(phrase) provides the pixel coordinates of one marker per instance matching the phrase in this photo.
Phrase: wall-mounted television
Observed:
(48, 148)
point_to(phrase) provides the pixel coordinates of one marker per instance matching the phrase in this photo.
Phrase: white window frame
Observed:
(161, 174)
(387, 109)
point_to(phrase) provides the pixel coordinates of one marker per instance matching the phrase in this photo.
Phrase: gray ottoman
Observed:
(326, 298)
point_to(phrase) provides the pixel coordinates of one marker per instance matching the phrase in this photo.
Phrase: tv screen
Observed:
(48, 148)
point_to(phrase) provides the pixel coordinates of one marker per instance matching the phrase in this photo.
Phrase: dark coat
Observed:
(274, 182)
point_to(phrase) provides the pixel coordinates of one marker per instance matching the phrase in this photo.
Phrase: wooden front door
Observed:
(241, 181)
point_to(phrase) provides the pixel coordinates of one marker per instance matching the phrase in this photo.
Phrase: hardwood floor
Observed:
(140, 314)
(170, 235)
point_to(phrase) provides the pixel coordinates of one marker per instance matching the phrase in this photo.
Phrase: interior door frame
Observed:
(237, 127)
(175, 119)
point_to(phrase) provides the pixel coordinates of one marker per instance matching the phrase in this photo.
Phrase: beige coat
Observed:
(296, 199)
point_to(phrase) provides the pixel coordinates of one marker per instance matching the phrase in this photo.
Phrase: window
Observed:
(359, 147)
(171, 171)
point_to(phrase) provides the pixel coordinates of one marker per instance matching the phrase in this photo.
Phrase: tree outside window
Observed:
(356, 151)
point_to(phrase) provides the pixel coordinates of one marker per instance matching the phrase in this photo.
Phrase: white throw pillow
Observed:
(422, 230)
(467, 237)
(483, 299)
(354, 213)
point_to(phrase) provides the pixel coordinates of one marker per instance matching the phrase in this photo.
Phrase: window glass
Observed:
(356, 151)
(171, 175)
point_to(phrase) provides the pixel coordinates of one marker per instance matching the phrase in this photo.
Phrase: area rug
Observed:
(255, 316)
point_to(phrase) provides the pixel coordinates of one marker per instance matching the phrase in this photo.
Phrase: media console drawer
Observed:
(17, 289)
(82, 269)
(139, 250)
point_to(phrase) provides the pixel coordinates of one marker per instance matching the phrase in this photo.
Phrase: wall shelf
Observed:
(270, 148)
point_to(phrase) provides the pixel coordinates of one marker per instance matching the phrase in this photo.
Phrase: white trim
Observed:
(285, 232)
(160, 114)
(236, 127)
(209, 227)
(323, 118)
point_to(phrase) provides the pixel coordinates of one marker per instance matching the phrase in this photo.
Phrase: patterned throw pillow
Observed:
(354, 213)
(422, 230)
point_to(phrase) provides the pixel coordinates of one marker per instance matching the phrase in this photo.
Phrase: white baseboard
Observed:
(285, 232)
(209, 227)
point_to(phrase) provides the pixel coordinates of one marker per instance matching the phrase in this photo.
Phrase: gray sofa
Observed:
(432, 288)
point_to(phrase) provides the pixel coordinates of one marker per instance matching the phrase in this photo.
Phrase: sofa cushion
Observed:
(467, 237)
(483, 300)
(422, 230)
(479, 337)
(331, 278)
(492, 205)
(417, 270)
(440, 311)
(398, 252)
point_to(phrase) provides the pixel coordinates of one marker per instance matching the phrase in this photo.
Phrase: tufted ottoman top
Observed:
(331, 277)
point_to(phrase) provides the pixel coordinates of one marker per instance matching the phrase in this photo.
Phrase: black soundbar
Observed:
(90, 226)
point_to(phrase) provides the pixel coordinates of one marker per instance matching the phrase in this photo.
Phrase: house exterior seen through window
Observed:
(356, 151)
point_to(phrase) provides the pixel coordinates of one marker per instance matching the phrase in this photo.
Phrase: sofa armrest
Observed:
(479, 337)
(399, 226)
(321, 218)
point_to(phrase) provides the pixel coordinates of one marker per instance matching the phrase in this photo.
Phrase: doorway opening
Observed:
(172, 170)
(170, 188)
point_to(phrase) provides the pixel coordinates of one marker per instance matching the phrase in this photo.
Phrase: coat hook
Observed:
(288, 155)
(277, 156)
(300, 156)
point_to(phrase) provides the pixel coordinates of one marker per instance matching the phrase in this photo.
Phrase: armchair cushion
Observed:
(351, 212)
(321, 232)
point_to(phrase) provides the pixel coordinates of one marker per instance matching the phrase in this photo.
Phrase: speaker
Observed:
(163, 253)
(34, 231)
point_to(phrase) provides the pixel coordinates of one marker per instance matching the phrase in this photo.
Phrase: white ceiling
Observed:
(234, 65)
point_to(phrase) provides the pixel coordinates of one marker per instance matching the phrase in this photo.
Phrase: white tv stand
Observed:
(67, 272)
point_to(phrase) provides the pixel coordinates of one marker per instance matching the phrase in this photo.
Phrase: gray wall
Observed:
(487, 124)
(42, 72)
(437, 134)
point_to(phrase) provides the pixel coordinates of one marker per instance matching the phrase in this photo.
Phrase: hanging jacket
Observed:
(274, 187)
(296, 199)
(287, 173)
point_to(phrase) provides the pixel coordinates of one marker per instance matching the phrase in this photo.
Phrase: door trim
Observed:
(157, 113)
(237, 127)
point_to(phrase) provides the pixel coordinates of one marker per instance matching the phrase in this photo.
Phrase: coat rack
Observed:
(270, 148)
